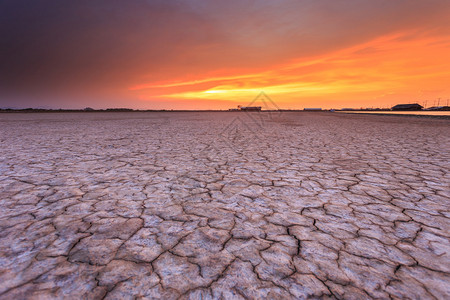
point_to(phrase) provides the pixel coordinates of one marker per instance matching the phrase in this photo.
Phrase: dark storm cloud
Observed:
(103, 47)
(89, 42)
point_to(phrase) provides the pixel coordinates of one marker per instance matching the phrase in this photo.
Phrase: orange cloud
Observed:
(381, 72)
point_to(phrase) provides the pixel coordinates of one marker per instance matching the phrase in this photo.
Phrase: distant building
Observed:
(438, 108)
(413, 106)
(250, 108)
(435, 108)
(88, 109)
(312, 109)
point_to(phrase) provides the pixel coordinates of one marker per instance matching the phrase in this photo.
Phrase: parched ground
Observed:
(224, 205)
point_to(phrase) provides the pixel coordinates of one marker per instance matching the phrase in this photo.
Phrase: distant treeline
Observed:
(89, 110)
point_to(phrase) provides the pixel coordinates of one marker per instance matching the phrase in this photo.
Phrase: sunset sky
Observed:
(219, 54)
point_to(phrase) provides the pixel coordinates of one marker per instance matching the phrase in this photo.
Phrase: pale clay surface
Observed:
(224, 205)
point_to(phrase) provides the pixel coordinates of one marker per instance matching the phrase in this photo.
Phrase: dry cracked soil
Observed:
(224, 205)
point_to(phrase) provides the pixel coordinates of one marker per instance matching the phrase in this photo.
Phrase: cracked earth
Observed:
(183, 205)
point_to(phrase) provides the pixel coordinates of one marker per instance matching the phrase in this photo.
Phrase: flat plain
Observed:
(210, 205)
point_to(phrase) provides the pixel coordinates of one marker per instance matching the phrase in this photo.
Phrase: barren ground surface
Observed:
(224, 205)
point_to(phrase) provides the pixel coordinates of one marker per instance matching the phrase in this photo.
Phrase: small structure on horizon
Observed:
(413, 106)
(312, 109)
(438, 108)
(249, 108)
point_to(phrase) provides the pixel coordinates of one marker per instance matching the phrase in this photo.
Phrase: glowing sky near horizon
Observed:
(219, 54)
